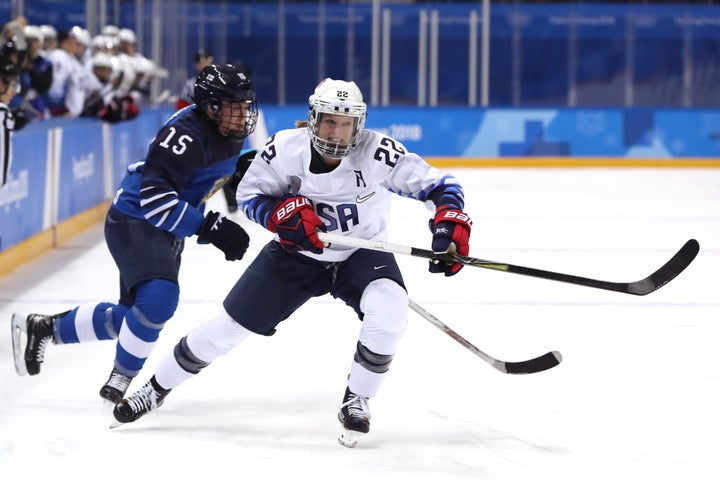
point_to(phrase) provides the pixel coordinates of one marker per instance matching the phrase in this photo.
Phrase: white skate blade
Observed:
(115, 424)
(18, 327)
(349, 438)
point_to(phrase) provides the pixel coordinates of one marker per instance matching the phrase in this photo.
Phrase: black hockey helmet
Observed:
(202, 55)
(226, 83)
(14, 46)
(8, 71)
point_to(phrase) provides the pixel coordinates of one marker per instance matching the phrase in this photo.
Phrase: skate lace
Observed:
(357, 407)
(40, 352)
(118, 381)
(143, 400)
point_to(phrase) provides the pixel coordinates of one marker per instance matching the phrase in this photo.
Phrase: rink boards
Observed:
(65, 172)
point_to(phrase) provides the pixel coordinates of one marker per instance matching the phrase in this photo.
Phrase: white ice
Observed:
(636, 397)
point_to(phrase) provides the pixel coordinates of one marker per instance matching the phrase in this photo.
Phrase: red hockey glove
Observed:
(296, 223)
(451, 233)
(225, 234)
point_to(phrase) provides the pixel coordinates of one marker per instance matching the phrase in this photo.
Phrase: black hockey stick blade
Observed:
(533, 365)
(662, 276)
(679, 262)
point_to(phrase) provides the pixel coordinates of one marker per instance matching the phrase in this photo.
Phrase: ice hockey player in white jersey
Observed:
(333, 176)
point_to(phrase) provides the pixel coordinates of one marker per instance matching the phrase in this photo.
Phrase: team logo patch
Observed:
(294, 184)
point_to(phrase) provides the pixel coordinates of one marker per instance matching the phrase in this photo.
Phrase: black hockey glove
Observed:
(243, 163)
(21, 119)
(297, 224)
(225, 234)
(451, 233)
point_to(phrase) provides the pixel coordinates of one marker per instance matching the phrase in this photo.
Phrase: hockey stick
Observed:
(534, 365)
(663, 275)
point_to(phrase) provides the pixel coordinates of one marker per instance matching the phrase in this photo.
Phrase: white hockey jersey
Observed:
(354, 199)
(67, 91)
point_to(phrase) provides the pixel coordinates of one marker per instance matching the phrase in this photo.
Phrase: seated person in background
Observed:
(101, 87)
(66, 96)
(13, 52)
(112, 99)
(36, 75)
(49, 41)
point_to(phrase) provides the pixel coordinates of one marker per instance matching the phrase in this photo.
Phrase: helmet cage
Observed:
(215, 104)
(320, 105)
(219, 84)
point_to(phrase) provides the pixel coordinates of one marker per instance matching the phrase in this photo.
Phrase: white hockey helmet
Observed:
(102, 59)
(126, 35)
(102, 43)
(336, 97)
(110, 30)
(48, 31)
(82, 35)
(34, 32)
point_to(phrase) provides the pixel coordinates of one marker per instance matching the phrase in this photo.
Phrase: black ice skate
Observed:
(148, 398)
(38, 330)
(114, 389)
(354, 415)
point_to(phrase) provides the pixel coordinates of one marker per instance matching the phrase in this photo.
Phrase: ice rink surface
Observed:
(637, 395)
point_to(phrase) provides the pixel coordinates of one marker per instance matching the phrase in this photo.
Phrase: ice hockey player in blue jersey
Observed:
(334, 176)
(159, 203)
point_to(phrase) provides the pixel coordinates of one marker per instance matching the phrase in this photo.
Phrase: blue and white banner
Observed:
(81, 170)
(22, 199)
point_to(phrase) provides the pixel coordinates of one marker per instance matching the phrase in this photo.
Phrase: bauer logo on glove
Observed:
(288, 208)
(451, 234)
(296, 223)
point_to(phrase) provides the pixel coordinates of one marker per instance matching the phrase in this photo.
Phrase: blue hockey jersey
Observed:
(187, 162)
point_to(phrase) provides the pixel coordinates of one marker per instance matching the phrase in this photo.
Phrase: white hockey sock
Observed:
(363, 382)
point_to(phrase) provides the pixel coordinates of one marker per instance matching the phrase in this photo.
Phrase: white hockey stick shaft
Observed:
(328, 238)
